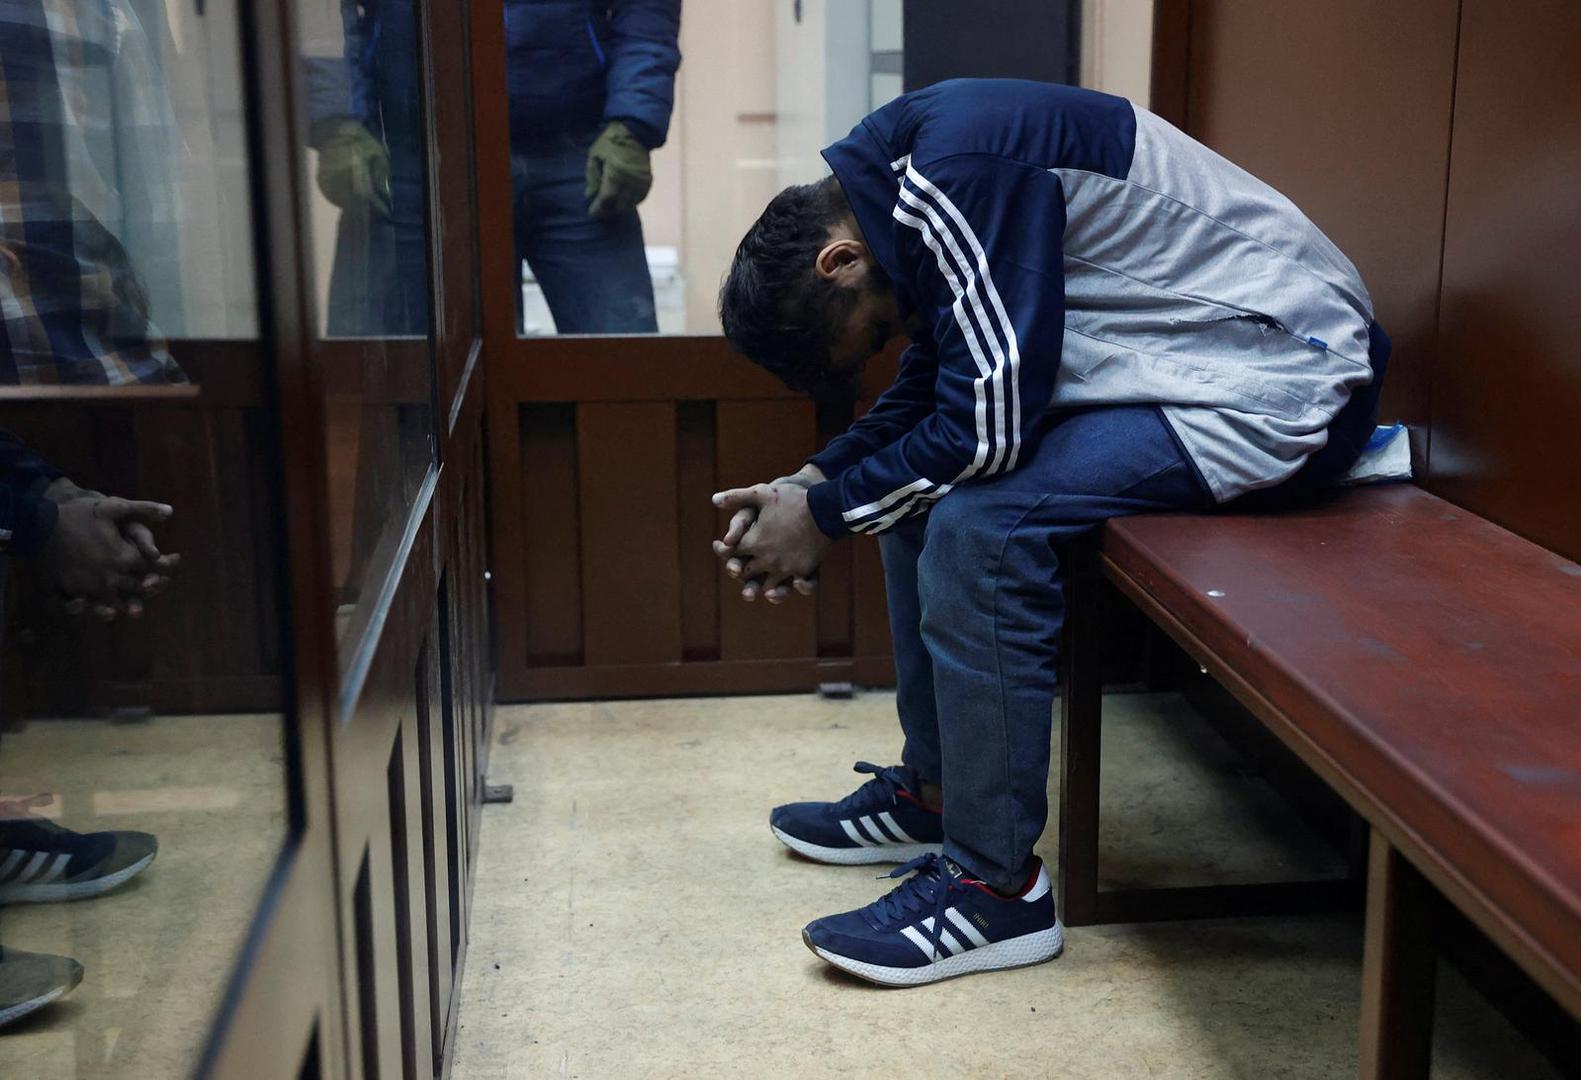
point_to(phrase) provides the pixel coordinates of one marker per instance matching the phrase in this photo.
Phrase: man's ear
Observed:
(841, 261)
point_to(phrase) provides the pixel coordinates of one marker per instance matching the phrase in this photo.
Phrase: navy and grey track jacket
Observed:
(1065, 248)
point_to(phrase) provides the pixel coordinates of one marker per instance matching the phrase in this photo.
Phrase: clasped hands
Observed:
(772, 544)
(102, 553)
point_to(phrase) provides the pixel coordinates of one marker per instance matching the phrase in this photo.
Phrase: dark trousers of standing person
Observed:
(593, 271)
(976, 604)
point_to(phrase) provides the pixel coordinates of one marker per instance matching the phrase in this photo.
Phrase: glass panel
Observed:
(362, 83)
(140, 690)
(763, 89)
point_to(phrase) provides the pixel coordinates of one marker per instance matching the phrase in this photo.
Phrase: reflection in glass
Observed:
(365, 122)
(363, 87)
(591, 90)
(141, 769)
(105, 220)
(764, 88)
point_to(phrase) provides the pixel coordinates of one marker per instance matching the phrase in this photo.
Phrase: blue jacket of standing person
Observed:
(573, 65)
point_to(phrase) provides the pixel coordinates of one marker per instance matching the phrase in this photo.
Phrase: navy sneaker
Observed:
(30, 981)
(881, 821)
(40, 861)
(940, 923)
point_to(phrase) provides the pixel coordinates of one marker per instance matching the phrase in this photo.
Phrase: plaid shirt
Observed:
(87, 147)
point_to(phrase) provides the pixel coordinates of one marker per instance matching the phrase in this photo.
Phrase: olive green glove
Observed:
(353, 165)
(618, 174)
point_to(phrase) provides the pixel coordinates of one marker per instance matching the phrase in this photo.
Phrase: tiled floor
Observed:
(635, 918)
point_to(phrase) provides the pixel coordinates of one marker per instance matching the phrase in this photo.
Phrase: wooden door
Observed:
(603, 450)
(389, 338)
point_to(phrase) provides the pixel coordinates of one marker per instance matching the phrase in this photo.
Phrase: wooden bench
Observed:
(1426, 664)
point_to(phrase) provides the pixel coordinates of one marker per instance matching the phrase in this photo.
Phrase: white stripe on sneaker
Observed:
(56, 869)
(913, 935)
(1040, 887)
(10, 864)
(38, 860)
(900, 834)
(946, 939)
(856, 837)
(874, 831)
(962, 924)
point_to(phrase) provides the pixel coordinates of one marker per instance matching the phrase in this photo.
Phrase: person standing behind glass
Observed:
(591, 88)
(366, 124)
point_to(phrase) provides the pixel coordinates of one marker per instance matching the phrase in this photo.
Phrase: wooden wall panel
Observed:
(1345, 107)
(1507, 399)
(696, 436)
(547, 537)
(631, 600)
(759, 440)
(210, 462)
(707, 420)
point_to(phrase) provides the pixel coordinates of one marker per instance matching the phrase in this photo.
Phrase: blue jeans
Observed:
(594, 273)
(976, 604)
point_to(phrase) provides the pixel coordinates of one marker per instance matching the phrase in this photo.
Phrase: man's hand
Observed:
(102, 553)
(618, 172)
(785, 545)
(353, 165)
(744, 519)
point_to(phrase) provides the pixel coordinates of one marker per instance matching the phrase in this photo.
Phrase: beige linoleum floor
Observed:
(157, 951)
(634, 917)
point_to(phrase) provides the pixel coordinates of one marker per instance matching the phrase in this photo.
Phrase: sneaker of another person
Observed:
(884, 820)
(939, 923)
(41, 861)
(30, 981)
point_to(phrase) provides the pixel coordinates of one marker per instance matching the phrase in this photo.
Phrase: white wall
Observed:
(1117, 47)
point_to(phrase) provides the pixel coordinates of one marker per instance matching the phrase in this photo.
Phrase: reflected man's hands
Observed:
(783, 547)
(102, 552)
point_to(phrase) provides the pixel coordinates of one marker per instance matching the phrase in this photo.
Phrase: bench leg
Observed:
(1081, 723)
(1397, 969)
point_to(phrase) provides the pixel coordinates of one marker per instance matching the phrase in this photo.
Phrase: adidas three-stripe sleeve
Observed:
(979, 239)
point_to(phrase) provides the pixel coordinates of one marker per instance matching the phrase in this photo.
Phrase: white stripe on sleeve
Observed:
(917, 485)
(974, 344)
(1006, 327)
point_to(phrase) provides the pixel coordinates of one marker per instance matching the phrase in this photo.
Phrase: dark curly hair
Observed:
(773, 306)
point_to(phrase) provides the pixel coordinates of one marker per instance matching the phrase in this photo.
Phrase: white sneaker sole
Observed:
(1028, 949)
(840, 856)
(69, 890)
(33, 1005)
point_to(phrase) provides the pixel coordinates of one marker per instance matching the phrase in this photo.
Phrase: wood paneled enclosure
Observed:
(604, 462)
(1438, 145)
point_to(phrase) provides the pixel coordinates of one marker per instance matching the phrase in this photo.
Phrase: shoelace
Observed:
(932, 886)
(877, 791)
